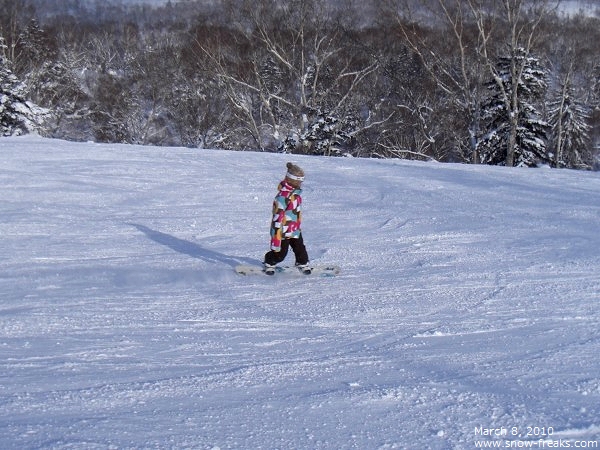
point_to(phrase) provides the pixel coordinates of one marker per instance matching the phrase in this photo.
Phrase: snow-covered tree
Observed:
(519, 78)
(325, 135)
(17, 116)
(56, 86)
(570, 139)
(35, 49)
(596, 87)
(299, 75)
(595, 111)
(111, 109)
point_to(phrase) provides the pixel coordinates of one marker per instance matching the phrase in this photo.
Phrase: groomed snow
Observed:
(467, 308)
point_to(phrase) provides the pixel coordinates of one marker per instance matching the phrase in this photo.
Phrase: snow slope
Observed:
(466, 312)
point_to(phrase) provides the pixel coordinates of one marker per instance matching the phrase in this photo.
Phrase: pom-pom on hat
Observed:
(294, 172)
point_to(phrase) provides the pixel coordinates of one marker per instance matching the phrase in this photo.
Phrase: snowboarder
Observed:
(286, 221)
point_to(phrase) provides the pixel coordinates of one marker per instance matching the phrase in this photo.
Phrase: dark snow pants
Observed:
(298, 247)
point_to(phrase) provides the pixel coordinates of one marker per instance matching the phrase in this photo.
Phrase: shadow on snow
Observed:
(192, 249)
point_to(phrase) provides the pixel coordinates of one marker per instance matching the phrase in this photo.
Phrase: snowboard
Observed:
(317, 271)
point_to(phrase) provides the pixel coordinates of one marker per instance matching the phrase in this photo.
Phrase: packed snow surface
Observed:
(466, 313)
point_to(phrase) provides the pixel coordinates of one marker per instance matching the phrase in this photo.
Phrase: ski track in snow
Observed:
(469, 297)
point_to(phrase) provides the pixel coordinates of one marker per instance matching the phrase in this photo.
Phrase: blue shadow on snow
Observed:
(192, 249)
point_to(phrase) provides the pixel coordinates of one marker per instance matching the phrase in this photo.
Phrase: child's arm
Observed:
(278, 222)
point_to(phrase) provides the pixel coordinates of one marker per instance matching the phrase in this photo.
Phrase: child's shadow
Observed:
(192, 249)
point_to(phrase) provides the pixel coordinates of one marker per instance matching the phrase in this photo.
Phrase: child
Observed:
(285, 225)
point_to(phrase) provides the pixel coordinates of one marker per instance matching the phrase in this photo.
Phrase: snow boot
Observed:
(269, 269)
(304, 268)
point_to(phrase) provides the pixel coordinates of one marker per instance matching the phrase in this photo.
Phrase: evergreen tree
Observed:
(325, 135)
(328, 134)
(595, 117)
(570, 130)
(35, 48)
(16, 115)
(499, 108)
(57, 88)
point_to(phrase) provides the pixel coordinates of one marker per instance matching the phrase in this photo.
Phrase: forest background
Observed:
(510, 82)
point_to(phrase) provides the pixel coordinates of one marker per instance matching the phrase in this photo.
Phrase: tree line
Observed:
(510, 82)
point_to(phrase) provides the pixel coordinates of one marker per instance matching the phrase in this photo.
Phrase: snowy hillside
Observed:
(466, 313)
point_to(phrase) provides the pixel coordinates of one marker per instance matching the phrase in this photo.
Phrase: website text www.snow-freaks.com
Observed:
(526, 437)
(541, 443)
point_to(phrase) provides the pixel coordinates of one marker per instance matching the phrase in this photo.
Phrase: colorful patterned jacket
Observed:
(287, 214)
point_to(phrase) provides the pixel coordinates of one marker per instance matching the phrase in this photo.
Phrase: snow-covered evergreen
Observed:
(500, 108)
(17, 115)
(571, 132)
(325, 134)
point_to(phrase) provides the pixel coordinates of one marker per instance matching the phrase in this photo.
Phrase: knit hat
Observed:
(294, 172)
